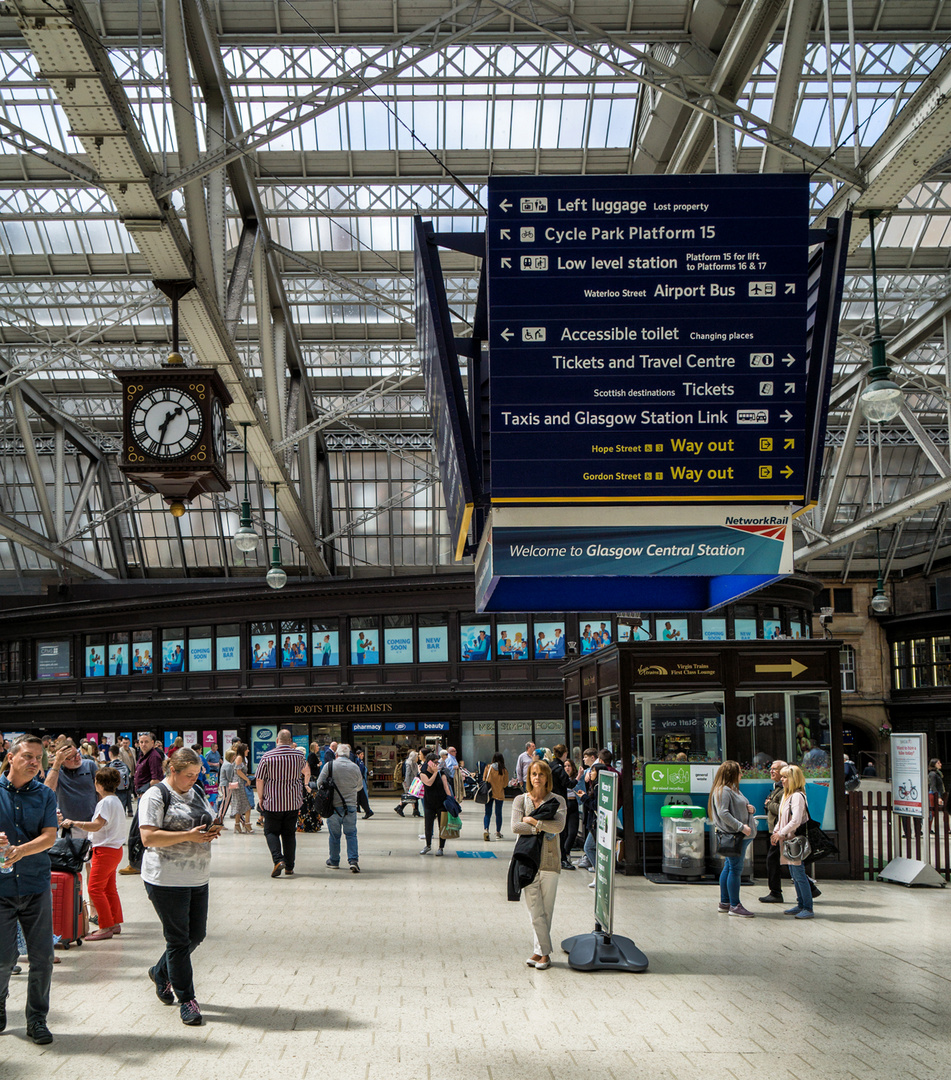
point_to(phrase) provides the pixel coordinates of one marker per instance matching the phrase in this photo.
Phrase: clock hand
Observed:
(169, 417)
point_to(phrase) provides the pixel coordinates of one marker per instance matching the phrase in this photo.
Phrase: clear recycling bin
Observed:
(683, 841)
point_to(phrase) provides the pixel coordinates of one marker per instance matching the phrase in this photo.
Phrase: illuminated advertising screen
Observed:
(511, 641)
(398, 645)
(173, 655)
(52, 660)
(476, 641)
(433, 644)
(364, 647)
(199, 654)
(326, 648)
(550, 640)
(263, 651)
(228, 653)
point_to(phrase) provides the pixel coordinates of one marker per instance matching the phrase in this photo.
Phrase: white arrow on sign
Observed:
(506, 334)
(505, 205)
(790, 287)
(506, 264)
(505, 234)
(790, 388)
(787, 416)
(789, 360)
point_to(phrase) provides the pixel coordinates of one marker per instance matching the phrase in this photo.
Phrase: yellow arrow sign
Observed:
(792, 669)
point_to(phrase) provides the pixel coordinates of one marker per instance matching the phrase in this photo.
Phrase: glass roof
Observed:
(341, 122)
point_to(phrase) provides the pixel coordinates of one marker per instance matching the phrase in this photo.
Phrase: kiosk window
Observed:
(757, 734)
(674, 724)
(812, 733)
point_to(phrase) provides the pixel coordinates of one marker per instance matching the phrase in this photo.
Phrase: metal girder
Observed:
(206, 54)
(799, 19)
(360, 79)
(18, 533)
(905, 154)
(61, 37)
(368, 515)
(748, 40)
(403, 312)
(928, 448)
(240, 274)
(832, 492)
(692, 92)
(923, 499)
(28, 143)
(353, 403)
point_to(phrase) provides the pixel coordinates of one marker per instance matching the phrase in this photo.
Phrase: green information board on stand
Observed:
(604, 865)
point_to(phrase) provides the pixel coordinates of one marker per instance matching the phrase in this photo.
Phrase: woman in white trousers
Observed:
(540, 894)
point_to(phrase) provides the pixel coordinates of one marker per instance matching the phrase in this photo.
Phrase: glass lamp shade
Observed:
(880, 602)
(880, 400)
(245, 538)
(276, 577)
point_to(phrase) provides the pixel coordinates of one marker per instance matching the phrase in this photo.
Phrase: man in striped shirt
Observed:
(279, 784)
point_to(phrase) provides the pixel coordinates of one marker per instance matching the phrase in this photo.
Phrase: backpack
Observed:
(324, 795)
(125, 777)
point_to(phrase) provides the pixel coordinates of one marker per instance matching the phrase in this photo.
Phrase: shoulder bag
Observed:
(729, 843)
(417, 788)
(324, 795)
(483, 791)
(68, 855)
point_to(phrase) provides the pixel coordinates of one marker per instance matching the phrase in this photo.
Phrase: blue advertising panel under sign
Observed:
(648, 339)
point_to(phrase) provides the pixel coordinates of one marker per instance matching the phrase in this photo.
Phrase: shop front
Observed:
(672, 715)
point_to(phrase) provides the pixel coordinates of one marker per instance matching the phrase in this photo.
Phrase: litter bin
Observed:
(683, 841)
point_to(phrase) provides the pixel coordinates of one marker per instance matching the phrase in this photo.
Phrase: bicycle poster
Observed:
(909, 774)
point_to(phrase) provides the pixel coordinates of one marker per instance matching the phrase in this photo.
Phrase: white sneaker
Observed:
(591, 884)
(439, 851)
(426, 850)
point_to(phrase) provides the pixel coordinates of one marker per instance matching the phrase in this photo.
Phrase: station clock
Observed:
(173, 430)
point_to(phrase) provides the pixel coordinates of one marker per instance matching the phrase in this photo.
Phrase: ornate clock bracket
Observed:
(173, 422)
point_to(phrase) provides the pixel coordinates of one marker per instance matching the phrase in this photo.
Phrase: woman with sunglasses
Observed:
(793, 813)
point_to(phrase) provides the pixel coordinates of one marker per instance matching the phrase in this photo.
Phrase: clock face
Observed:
(166, 422)
(218, 431)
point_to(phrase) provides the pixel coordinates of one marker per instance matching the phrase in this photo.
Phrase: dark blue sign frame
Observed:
(455, 452)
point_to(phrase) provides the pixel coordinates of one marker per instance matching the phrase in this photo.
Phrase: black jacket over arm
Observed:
(527, 856)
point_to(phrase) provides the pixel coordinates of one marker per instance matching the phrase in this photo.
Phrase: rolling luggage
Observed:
(70, 920)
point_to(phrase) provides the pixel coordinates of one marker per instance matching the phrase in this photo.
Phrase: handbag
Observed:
(324, 795)
(483, 792)
(68, 855)
(822, 845)
(450, 825)
(797, 848)
(417, 788)
(729, 843)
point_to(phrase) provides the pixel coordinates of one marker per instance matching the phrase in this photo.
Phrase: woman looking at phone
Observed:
(176, 822)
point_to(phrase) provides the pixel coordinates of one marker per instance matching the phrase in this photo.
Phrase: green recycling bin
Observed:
(683, 841)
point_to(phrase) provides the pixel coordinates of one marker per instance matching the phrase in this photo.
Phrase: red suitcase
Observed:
(69, 909)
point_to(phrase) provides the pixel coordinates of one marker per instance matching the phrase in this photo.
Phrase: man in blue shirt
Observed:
(27, 831)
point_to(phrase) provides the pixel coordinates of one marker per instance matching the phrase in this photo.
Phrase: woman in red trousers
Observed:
(106, 833)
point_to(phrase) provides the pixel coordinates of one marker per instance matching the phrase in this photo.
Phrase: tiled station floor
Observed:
(414, 970)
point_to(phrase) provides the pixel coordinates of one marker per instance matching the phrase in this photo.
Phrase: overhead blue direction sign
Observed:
(648, 339)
